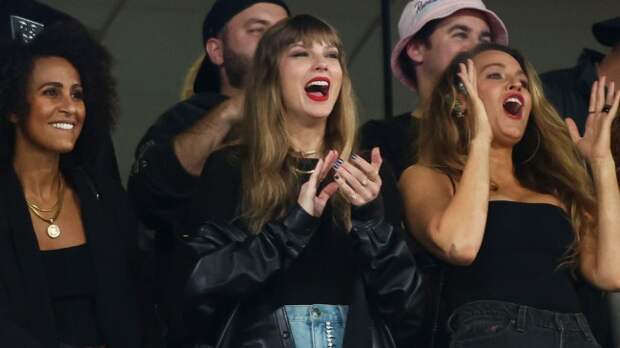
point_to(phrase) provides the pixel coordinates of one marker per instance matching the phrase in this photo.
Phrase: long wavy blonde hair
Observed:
(615, 144)
(545, 160)
(270, 182)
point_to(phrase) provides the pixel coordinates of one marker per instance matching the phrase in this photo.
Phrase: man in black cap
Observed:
(170, 157)
(569, 91)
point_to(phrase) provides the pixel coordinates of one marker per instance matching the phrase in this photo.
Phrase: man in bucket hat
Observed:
(569, 91)
(432, 33)
(170, 157)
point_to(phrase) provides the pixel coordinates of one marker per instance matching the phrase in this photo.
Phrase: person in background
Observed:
(569, 91)
(432, 33)
(169, 158)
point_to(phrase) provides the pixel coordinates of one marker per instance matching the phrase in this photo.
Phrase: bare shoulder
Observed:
(421, 178)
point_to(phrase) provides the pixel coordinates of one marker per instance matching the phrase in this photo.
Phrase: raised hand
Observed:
(308, 199)
(595, 144)
(468, 75)
(358, 180)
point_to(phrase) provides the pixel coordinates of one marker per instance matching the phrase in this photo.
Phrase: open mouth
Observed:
(63, 125)
(317, 89)
(514, 105)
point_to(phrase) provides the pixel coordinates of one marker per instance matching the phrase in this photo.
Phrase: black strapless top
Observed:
(71, 278)
(519, 260)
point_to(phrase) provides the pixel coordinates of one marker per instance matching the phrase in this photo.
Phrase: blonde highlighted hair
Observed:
(270, 182)
(545, 160)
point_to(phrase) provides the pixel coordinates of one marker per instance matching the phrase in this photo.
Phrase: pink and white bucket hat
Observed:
(418, 13)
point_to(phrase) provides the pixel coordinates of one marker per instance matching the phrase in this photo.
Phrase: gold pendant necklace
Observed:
(53, 230)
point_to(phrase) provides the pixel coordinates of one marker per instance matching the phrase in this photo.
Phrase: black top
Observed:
(518, 261)
(27, 305)
(160, 190)
(72, 283)
(396, 138)
(298, 259)
(569, 91)
(325, 270)
(159, 187)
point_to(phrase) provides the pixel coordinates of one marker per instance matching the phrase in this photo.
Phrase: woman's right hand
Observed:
(308, 199)
(467, 74)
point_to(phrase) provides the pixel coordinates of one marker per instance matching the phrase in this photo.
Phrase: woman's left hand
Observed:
(595, 144)
(358, 180)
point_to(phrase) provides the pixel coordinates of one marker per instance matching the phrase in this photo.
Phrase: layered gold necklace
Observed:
(304, 155)
(50, 215)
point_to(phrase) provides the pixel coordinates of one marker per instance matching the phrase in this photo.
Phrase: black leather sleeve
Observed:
(231, 263)
(393, 282)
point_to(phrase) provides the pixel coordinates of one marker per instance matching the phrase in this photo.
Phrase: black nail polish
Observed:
(337, 164)
(354, 157)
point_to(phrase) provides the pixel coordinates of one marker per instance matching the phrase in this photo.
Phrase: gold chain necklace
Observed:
(53, 231)
(303, 155)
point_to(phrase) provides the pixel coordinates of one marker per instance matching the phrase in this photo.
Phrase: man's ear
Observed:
(215, 50)
(415, 51)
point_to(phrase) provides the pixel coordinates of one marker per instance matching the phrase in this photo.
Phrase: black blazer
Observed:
(26, 317)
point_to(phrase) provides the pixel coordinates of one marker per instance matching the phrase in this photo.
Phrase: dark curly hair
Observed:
(69, 40)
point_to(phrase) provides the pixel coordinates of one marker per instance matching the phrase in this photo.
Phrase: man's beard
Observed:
(237, 66)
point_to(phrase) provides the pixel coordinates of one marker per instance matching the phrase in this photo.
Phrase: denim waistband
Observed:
(322, 312)
(522, 315)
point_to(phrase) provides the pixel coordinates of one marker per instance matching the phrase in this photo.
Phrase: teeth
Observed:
(62, 125)
(513, 100)
(318, 83)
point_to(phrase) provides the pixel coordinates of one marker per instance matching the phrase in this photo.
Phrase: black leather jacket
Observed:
(387, 305)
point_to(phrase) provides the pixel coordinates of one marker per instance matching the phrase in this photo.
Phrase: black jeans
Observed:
(503, 324)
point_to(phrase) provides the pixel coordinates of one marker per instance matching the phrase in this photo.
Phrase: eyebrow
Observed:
(500, 65)
(484, 33)
(300, 44)
(53, 84)
(256, 21)
(459, 27)
(57, 85)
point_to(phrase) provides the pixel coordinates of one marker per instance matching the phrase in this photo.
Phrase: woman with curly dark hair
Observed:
(66, 236)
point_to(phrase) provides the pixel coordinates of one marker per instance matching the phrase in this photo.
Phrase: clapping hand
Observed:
(358, 180)
(308, 199)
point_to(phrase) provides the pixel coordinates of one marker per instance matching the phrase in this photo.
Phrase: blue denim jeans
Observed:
(502, 324)
(318, 325)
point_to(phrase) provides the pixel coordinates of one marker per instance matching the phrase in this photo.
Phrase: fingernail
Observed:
(354, 157)
(337, 164)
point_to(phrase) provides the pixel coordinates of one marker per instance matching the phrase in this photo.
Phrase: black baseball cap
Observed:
(607, 32)
(208, 79)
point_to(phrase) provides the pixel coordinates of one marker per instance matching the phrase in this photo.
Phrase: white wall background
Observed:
(155, 41)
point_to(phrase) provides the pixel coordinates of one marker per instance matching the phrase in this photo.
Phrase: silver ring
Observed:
(606, 108)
